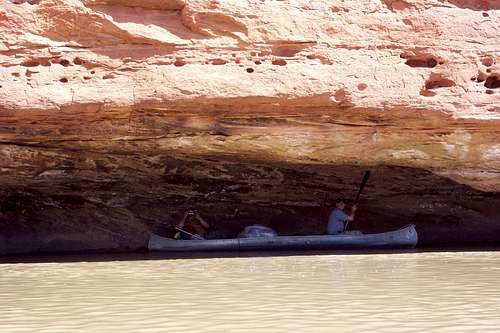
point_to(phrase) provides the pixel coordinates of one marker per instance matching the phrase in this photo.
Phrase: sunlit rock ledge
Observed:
(115, 115)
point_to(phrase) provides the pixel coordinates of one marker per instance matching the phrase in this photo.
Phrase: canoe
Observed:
(405, 237)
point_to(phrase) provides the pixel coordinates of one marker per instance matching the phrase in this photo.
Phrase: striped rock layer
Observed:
(115, 115)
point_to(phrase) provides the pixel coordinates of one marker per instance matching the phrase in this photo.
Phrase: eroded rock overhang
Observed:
(131, 110)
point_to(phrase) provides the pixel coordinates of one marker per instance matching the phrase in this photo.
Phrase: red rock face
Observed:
(115, 114)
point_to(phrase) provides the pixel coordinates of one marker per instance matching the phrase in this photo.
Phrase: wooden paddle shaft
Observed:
(188, 233)
(361, 187)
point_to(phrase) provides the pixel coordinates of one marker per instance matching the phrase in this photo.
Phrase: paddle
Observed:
(361, 187)
(188, 233)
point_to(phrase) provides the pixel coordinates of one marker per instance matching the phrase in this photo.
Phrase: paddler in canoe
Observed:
(192, 226)
(338, 219)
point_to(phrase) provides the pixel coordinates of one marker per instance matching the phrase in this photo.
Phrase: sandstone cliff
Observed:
(117, 114)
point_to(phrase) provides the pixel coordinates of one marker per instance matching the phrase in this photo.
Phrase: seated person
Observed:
(337, 219)
(193, 224)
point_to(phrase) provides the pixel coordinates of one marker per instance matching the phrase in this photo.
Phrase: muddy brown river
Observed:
(401, 292)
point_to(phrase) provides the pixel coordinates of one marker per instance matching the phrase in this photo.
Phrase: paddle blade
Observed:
(362, 186)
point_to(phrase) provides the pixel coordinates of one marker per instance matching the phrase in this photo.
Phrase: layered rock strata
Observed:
(117, 114)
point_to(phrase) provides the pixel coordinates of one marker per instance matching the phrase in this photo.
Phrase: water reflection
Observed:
(401, 292)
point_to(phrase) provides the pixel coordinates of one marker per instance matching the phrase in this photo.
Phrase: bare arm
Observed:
(203, 222)
(181, 223)
(353, 211)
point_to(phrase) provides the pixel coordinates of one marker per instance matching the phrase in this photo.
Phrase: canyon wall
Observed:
(115, 115)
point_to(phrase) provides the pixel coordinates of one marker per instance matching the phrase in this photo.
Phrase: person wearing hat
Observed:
(338, 218)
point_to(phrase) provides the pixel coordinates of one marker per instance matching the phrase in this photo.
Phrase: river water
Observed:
(401, 292)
